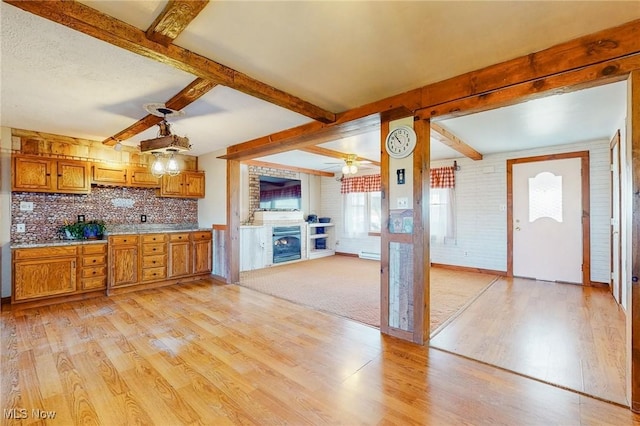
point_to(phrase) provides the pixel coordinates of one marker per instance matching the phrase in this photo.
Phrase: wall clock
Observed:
(401, 142)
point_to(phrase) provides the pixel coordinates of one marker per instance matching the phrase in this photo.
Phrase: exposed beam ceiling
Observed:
(193, 91)
(175, 17)
(106, 28)
(335, 154)
(452, 141)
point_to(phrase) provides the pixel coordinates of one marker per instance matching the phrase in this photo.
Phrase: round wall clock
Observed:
(401, 142)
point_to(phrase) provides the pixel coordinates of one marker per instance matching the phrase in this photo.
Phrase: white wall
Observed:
(212, 209)
(481, 197)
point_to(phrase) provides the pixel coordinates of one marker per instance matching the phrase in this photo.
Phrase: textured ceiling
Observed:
(337, 55)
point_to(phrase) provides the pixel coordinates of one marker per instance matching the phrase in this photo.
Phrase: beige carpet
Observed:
(350, 287)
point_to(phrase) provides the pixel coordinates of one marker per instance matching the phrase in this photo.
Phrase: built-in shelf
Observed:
(321, 241)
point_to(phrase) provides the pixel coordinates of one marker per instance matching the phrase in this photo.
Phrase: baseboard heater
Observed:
(368, 255)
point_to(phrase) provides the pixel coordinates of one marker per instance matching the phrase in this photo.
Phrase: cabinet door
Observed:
(109, 174)
(179, 258)
(202, 256)
(171, 186)
(141, 177)
(44, 277)
(73, 177)
(194, 184)
(125, 265)
(32, 174)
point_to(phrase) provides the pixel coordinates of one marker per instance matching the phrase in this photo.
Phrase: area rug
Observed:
(350, 287)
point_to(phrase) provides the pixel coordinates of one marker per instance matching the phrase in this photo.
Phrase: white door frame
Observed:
(586, 232)
(616, 261)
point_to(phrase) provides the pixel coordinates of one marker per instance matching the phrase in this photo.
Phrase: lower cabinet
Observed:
(123, 258)
(55, 271)
(154, 258)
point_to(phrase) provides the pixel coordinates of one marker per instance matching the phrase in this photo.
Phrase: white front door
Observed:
(547, 220)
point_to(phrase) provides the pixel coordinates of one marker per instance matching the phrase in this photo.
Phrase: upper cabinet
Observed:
(42, 174)
(137, 176)
(188, 184)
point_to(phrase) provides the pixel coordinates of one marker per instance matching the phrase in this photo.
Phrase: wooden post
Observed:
(233, 221)
(421, 232)
(633, 317)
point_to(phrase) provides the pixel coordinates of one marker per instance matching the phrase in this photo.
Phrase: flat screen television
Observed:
(280, 193)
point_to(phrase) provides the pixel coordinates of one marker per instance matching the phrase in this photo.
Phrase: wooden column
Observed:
(233, 221)
(404, 289)
(633, 317)
(421, 231)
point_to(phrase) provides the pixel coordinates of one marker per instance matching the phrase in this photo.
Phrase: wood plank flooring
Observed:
(565, 334)
(203, 354)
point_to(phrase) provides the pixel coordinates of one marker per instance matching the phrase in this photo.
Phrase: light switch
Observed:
(403, 202)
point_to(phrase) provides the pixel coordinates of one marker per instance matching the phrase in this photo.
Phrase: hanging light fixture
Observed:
(172, 167)
(349, 168)
(157, 168)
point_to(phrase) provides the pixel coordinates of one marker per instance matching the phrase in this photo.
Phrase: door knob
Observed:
(517, 228)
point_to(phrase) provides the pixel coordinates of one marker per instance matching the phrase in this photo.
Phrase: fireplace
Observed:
(286, 243)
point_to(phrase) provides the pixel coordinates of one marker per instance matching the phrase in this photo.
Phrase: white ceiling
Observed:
(337, 55)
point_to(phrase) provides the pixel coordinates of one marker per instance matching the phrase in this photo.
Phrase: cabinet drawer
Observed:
(94, 260)
(94, 283)
(179, 237)
(154, 261)
(44, 252)
(148, 249)
(124, 239)
(151, 274)
(201, 235)
(94, 249)
(98, 271)
(154, 238)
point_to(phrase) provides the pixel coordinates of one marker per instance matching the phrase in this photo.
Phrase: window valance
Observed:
(443, 177)
(368, 183)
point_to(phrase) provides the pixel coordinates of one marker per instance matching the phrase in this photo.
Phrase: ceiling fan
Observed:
(165, 141)
(350, 164)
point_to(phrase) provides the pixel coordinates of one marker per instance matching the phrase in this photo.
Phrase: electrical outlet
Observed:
(143, 218)
(466, 253)
(20, 227)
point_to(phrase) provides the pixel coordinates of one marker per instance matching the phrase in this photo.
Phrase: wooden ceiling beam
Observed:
(318, 150)
(175, 17)
(289, 168)
(601, 56)
(454, 142)
(91, 22)
(193, 91)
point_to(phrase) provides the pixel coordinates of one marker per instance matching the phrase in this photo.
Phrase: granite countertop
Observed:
(119, 230)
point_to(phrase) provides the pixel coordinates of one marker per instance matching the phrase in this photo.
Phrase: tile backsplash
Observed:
(116, 206)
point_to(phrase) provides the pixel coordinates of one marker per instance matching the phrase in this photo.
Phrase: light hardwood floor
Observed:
(565, 334)
(202, 353)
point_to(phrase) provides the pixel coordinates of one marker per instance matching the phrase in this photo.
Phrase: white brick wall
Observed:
(481, 225)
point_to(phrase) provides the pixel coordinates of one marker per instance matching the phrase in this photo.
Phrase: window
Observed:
(362, 213)
(442, 222)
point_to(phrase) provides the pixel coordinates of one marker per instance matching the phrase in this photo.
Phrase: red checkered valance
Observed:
(443, 177)
(368, 183)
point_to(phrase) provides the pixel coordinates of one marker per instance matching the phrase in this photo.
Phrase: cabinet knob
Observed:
(94, 272)
(94, 261)
(154, 249)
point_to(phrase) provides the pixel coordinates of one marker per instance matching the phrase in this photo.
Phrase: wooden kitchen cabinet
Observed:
(93, 267)
(154, 257)
(202, 252)
(188, 184)
(43, 272)
(151, 260)
(123, 260)
(109, 174)
(141, 177)
(179, 255)
(43, 174)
